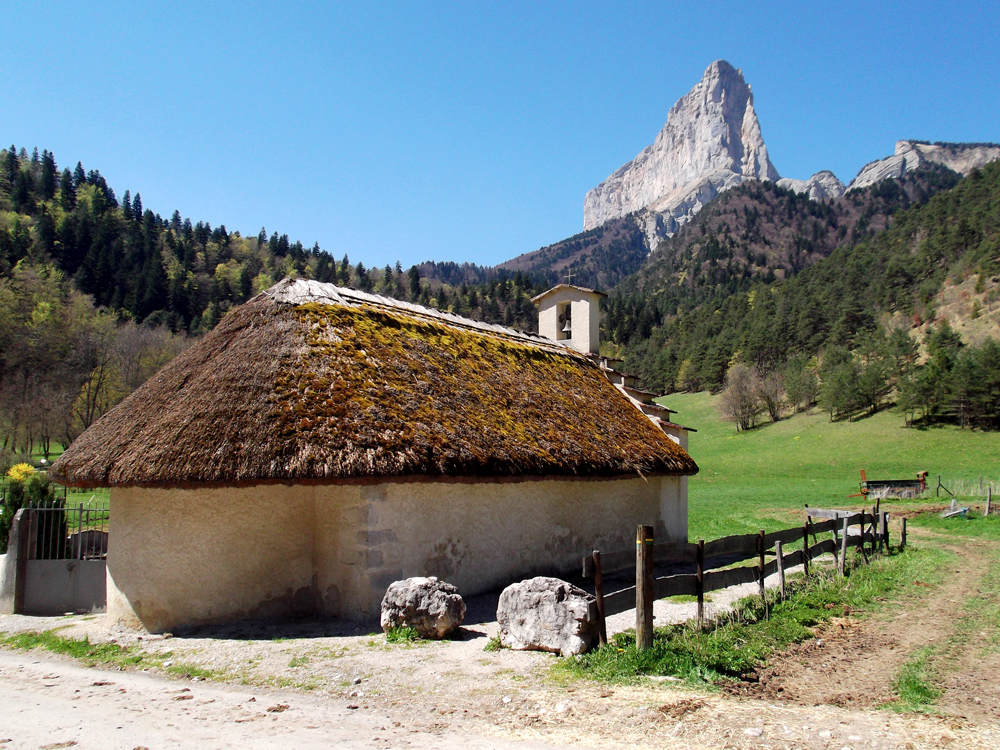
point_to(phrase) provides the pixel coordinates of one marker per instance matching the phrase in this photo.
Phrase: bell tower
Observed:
(571, 314)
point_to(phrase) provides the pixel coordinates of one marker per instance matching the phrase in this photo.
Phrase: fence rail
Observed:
(712, 560)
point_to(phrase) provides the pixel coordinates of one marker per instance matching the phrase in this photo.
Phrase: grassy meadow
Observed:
(762, 478)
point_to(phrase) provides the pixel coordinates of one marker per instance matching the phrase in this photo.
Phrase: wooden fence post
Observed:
(874, 528)
(843, 548)
(902, 533)
(599, 595)
(760, 573)
(811, 529)
(805, 547)
(644, 587)
(864, 553)
(836, 546)
(781, 568)
(701, 583)
(989, 500)
(883, 535)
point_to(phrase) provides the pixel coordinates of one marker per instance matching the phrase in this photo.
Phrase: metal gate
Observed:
(65, 569)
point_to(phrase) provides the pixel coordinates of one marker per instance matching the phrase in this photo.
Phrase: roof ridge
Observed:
(302, 291)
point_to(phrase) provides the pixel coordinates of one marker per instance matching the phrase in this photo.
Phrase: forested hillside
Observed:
(689, 301)
(854, 308)
(598, 258)
(97, 292)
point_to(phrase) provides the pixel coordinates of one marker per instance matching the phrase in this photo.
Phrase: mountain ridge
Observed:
(666, 323)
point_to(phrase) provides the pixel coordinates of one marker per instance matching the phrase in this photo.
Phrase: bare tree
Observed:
(63, 363)
(770, 389)
(740, 401)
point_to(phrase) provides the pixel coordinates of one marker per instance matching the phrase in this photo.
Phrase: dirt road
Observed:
(53, 704)
(311, 685)
(49, 703)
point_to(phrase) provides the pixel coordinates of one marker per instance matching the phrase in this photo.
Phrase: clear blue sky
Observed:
(463, 131)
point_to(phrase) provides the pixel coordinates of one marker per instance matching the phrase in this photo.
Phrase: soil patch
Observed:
(852, 661)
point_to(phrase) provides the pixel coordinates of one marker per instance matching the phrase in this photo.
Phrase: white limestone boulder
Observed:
(431, 607)
(546, 614)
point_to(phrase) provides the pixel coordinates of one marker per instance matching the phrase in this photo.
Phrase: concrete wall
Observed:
(54, 587)
(6, 590)
(13, 570)
(680, 436)
(194, 556)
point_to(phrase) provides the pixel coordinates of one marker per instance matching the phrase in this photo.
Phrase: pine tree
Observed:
(414, 275)
(45, 229)
(127, 206)
(67, 191)
(49, 175)
(11, 166)
(23, 194)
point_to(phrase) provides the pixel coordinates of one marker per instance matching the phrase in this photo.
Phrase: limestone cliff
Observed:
(910, 155)
(710, 143)
(820, 187)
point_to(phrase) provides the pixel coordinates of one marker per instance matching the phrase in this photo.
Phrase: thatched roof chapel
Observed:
(310, 382)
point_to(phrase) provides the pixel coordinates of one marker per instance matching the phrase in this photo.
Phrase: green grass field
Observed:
(762, 478)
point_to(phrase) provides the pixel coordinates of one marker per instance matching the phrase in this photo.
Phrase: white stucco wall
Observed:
(585, 316)
(209, 555)
(194, 556)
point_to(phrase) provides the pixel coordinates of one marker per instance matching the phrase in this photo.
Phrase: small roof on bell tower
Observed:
(561, 287)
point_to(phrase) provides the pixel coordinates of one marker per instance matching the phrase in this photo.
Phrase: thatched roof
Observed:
(309, 382)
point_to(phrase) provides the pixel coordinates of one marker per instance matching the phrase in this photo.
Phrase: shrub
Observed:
(21, 472)
(32, 491)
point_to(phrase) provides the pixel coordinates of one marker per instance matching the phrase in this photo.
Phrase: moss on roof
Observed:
(331, 392)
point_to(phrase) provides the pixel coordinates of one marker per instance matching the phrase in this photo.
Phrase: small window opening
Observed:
(565, 328)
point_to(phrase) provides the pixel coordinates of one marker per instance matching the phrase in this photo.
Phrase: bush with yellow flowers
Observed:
(26, 487)
(20, 472)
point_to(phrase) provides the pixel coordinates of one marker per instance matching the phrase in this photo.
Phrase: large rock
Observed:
(711, 142)
(546, 614)
(431, 607)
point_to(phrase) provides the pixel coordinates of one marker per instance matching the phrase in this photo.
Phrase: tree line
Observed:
(765, 273)
(97, 292)
(65, 362)
(955, 383)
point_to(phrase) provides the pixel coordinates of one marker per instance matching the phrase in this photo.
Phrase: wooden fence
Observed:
(867, 531)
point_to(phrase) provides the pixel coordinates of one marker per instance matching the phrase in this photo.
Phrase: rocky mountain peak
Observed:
(710, 143)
